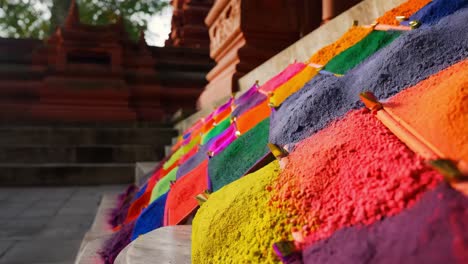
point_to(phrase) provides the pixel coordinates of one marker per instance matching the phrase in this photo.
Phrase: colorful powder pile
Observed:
(118, 241)
(411, 58)
(236, 225)
(218, 129)
(433, 231)
(436, 10)
(351, 57)
(163, 185)
(437, 109)
(406, 9)
(238, 157)
(350, 38)
(253, 101)
(355, 171)
(151, 218)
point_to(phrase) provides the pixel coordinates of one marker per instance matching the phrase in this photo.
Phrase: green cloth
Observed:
(163, 185)
(234, 161)
(218, 129)
(354, 55)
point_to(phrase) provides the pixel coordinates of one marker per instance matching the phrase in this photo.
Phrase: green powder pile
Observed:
(236, 224)
(351, 57)
(239, 156)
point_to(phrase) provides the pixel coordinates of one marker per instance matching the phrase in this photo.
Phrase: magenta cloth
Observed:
(244, 98)
(223, 107)
(223, 140)
(282, 77)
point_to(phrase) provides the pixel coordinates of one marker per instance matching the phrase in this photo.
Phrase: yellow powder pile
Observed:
(351, 37)
(406, 9)
(236, 224)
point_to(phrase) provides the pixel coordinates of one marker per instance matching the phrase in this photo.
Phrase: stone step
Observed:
(156, 137)
(53, 174)
(80, 154)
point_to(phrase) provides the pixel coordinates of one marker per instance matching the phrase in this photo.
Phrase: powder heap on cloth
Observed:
(354, 55)
(236, 225)
(350, 38)
(436, 10)
(118, 241)
(355, 171)
(252, 117)
(216, 130)
(181, 199)
(437, 109)
(151, 217)
(254, 100)
(406, 9)
(411, 58)
(277, 96)
(282, 77)
(433, 231)
(163, 184)
(239, 156)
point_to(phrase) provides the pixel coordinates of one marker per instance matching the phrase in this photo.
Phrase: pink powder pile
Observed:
(355, 171)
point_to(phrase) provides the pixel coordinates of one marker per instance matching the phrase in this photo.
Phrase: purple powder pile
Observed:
(436, 10)
(411, 58)
(116, 243)
(119, 213)
(434, 231)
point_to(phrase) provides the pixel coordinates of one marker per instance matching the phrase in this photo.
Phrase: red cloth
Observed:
(181, 198)
(139, 204)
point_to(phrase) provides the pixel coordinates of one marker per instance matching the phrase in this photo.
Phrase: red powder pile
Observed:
(406, 9)
(354, 171)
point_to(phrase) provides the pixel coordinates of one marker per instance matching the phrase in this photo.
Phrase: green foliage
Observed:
(32, 18)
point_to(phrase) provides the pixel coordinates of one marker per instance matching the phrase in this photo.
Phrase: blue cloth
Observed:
(151, 218)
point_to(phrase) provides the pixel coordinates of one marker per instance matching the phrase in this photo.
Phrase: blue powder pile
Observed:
(411, 58)
(436, 10)
(433, 231)
(151, 218)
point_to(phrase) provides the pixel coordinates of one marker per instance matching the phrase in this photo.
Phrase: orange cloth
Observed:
(436, 111)
(406, 9)
(181, 198)
(252, 117)
(351, 37)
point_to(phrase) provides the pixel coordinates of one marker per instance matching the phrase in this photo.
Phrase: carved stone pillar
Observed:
(246, 33)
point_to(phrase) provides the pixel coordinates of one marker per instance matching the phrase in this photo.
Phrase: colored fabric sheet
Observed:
(254, 100)
(181, 198)
(436, 109)
(223, 111)
(173, 159)
(151, 218)
(435, 10)
(139, 204)
(163, 185)
(350, 38)
(223, 140)
(245, 97)
(355, 171)
(293, 85)
(354, 55)
(406, 9)
(236, 225)
(252, 117)
(239, 156)
(216, 130)
(433, 231)
(392, 69)
(282, 77)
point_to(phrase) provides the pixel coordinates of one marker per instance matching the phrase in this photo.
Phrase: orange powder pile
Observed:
(436, 110)
(406, 9)
(351, 37)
